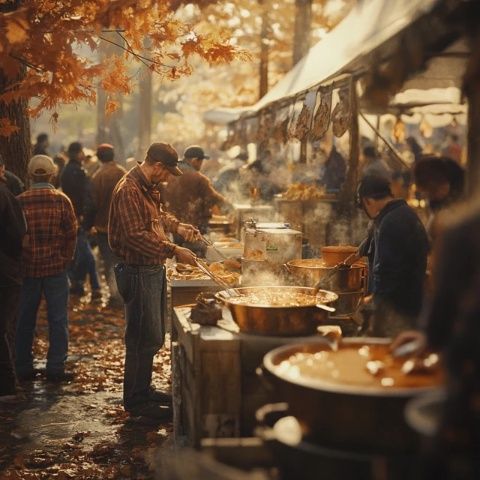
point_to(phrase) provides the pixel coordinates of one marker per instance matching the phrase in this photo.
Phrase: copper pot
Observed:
(310, 271)
(334, 254)
(343, 415)
(278, 320)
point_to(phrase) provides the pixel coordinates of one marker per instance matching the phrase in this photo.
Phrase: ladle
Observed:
(344, 264)
(321, 306)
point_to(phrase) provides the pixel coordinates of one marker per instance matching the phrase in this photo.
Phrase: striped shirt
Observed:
(138, 224)
(51, 230)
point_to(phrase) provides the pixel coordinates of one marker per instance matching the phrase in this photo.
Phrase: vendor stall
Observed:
(409, 61)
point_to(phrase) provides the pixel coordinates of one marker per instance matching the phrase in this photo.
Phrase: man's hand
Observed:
(184, 255)
(188, 232)
(409, 342)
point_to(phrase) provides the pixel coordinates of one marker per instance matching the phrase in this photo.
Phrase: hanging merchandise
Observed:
(230, 140)
(282, 119)
(241, 132)
(399, 133)
(296, 112)
(304, 121)
(266, 125)
(321, 118)
(251, 129)
(341, 115)
(425, 127)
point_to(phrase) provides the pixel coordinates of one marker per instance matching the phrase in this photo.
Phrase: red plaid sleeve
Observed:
(137, 235)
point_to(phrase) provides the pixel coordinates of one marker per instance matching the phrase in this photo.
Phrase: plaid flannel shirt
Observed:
(137, 223)
(51, 231)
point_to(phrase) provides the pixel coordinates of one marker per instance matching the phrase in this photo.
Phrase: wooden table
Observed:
(215, 386)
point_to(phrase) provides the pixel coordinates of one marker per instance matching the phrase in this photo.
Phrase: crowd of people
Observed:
(160, 209)
(46, 238)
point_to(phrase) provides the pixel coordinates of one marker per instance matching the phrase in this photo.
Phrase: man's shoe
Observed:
(59, 377)
(151, 410)
(77, 290)
(26, 376)
(158, 396)
(115, 303)
(96, 294)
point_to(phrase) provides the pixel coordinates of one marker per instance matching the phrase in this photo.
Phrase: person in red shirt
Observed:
(48, 248)
(103, 183)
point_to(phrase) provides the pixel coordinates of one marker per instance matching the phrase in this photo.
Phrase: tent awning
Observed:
(360, 41)
(370, 24)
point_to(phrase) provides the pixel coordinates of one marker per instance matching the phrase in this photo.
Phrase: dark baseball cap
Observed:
(166, 155)
(194, 151)
(373, 186)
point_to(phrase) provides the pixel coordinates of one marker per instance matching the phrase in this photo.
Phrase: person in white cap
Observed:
(48, 248)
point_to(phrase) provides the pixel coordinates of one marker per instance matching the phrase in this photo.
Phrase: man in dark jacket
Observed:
(14, 184)
(12, 231)
(398, 258)
(191, 196)
(76, 186)
(40, 148)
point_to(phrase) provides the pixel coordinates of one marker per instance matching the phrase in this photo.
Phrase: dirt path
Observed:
(79, 430)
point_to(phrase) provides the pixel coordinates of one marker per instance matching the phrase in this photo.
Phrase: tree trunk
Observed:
(102, 130)
(108, 126)
(303, 27)
(15, 149)
(144, 113)
(264, 49)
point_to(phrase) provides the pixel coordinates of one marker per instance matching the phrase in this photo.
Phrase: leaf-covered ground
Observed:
(80, 430)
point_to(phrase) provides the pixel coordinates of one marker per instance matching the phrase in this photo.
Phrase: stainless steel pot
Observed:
(278, 321)
(310, 271)
(344, 416)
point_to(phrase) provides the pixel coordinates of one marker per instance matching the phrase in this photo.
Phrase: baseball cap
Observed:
(41, 165)
(373, 186)
(194, 151)
(166, 155)
(105, 152)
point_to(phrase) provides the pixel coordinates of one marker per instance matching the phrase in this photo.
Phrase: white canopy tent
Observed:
(366, 37)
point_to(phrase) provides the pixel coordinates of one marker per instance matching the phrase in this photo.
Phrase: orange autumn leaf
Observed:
(16, 30)
(50, 39)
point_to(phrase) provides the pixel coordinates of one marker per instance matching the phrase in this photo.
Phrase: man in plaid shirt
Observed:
(137, 235)
(48, 248)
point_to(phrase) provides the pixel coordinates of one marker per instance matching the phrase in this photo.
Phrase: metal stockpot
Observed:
(310, 271)
(278, 321)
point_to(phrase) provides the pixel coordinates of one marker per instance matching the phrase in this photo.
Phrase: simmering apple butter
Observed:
(367, 366)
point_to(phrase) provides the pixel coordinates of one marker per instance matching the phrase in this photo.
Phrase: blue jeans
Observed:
(55, 289)
(84, 263)
(109, 261)
(144, 292)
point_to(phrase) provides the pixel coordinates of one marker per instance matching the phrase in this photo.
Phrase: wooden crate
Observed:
(184, 292)
(215, 386)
